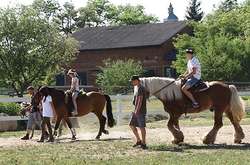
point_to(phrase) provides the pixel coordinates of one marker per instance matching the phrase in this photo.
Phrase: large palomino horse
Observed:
(90, 102)
(219, 97)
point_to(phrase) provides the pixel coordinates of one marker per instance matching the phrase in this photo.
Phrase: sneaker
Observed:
(196, 105)
(144, 146)
(50, 140)
(137, 144)
(41, 140)
(26, 137)
(74, 113)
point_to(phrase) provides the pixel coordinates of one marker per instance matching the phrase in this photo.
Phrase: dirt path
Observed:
(193, 135)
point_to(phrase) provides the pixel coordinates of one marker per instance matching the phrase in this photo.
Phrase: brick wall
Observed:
(152, 58)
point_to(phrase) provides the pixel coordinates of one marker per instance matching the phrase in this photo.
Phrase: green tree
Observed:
(228, 5)
(66, 18)
(221, 42)
(194, 11)
(104, 13)
(30, 48)
(95, 13)
(115, 75)
(131, 15)
(47, 9)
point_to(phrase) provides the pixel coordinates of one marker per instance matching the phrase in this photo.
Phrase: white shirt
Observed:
(47, 109)
(194, 63)
(75, 83)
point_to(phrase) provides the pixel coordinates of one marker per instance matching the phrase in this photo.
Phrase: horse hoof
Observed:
(175, 141)
(237, 141)
(207, 142)
(73, 138)
(55, 133)
(106, 132)
(97, 138)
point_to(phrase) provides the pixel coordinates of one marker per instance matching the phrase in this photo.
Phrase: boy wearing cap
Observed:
(139, 114)
(74, 89)
(192, 75)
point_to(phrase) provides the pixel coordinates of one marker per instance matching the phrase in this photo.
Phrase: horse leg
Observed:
(239, 134)
(211, 136)
(58, 121)
(102, 121)
(176, 124)
(172, 124)
(103, 126)
(73, 131)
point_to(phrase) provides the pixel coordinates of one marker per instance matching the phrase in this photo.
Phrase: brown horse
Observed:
(90, 102)
(219, 97)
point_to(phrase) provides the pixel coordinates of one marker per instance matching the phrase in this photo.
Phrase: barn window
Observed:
(171, 55)
(149, 73)
(169, 72)
(60, 80)
(83, 78)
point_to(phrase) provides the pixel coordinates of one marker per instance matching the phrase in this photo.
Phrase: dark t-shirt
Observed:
(141, 92)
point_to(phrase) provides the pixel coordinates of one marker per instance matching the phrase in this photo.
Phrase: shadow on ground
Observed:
(183, 147)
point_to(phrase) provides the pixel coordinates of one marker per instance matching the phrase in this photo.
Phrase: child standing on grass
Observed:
(48, 113)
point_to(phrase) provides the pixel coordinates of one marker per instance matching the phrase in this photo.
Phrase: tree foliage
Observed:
(222, 43)
(30, 47)
(102, 12)
(115, 75)
(228, 5)
(194, 11)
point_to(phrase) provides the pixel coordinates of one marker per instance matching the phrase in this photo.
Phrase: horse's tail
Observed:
(237, 106)
(111, 120)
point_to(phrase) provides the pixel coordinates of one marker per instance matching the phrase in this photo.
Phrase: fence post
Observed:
(118, 108)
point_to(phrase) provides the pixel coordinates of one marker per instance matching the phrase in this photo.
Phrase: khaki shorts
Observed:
(34, 119)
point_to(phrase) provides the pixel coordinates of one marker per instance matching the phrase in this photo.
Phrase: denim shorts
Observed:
(191, 81)
(138, 120)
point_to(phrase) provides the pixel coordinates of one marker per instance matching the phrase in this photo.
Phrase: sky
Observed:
(159, 8)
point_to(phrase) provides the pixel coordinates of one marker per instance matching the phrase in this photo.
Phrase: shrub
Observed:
(11, 109)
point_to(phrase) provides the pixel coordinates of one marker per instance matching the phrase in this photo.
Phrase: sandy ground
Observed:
(193, 135)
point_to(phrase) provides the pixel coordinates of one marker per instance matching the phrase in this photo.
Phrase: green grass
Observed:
(12, 134)
(120, 152)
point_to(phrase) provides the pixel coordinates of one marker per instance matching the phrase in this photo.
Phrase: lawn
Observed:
(119, 151)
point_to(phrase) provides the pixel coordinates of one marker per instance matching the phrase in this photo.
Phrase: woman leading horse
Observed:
(220, 97)
(90, 102)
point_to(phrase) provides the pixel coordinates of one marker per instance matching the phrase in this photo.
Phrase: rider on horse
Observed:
(192, 75)
(74, 89)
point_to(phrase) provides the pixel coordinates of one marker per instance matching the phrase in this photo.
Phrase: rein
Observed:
(165, 87)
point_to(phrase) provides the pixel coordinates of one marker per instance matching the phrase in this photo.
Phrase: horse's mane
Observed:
(172, 92)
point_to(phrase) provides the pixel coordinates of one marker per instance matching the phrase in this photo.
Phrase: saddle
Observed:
(198, 87)
(69, 101)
